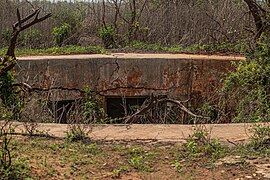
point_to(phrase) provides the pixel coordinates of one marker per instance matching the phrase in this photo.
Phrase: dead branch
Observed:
(9, 60)
(258, 14)
(231, 142)
(23, 85)
(143, 110)
(154, 100)
(182, 107)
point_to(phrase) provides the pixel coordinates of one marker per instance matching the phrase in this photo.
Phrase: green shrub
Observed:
(61, 33)
(33, 38)
(108, 36)
(84, 113)
(18, 170)
(77, 132)
(200, 144)
(260, 136)
(11, 98)
(6, 35)
(139, 159)
(219, 47)
(92, 110)
(249, 85)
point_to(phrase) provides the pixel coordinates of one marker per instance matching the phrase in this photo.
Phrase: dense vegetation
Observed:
(221, 25)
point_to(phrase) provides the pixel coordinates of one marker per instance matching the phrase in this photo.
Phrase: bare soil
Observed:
(57, 159)
(138, 152)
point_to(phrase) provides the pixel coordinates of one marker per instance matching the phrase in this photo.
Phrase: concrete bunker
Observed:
(133, 76)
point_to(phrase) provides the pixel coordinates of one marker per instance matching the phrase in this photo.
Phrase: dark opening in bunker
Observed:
(60, 109)
(118, 107)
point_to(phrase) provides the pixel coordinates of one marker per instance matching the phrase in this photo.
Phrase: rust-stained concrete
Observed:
(181, 76)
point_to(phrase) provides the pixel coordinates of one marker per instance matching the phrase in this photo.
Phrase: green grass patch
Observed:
(59, 50)
(209, 48)
(215, 47)
(41, 158)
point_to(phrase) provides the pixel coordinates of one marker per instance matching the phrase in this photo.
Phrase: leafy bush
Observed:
(249, 85)
(260, 136)
(219, 47)
(33, 38)
(6, 35)
(92, 110)
(70, 15)
(10, 167)
(108, 36)
(60, 50)
(18, 170)
(200, 144)
(77, 132)
(259, 143)
(211, 47)
(83, 114)
(7, 93)
(139, 159)
(61, 33)
(10, 97)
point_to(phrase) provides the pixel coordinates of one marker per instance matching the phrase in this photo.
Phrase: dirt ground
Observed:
(138, 151)
(57, 159)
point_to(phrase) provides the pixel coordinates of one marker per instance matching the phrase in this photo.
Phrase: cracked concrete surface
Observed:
(178, 76)
(237, 133)
(120, 74)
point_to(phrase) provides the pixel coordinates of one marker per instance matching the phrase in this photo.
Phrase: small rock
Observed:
(179, 144)
(218, 163)
(183, 160)
(266, 175)
(249, 177)
(255, 162)
(252, 157)
(222, 172)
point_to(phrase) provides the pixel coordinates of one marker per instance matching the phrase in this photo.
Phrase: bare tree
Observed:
(160, 21)
(9, 60)
(260, 11)
(127, 12)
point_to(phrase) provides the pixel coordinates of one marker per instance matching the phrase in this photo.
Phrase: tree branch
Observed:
(9, 61)
(156, 100)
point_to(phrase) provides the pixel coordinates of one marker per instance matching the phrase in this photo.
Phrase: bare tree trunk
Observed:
(104, 13)
(9, 61)
(260, 16)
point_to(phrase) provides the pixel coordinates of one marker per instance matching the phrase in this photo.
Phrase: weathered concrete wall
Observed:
(175, 75)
